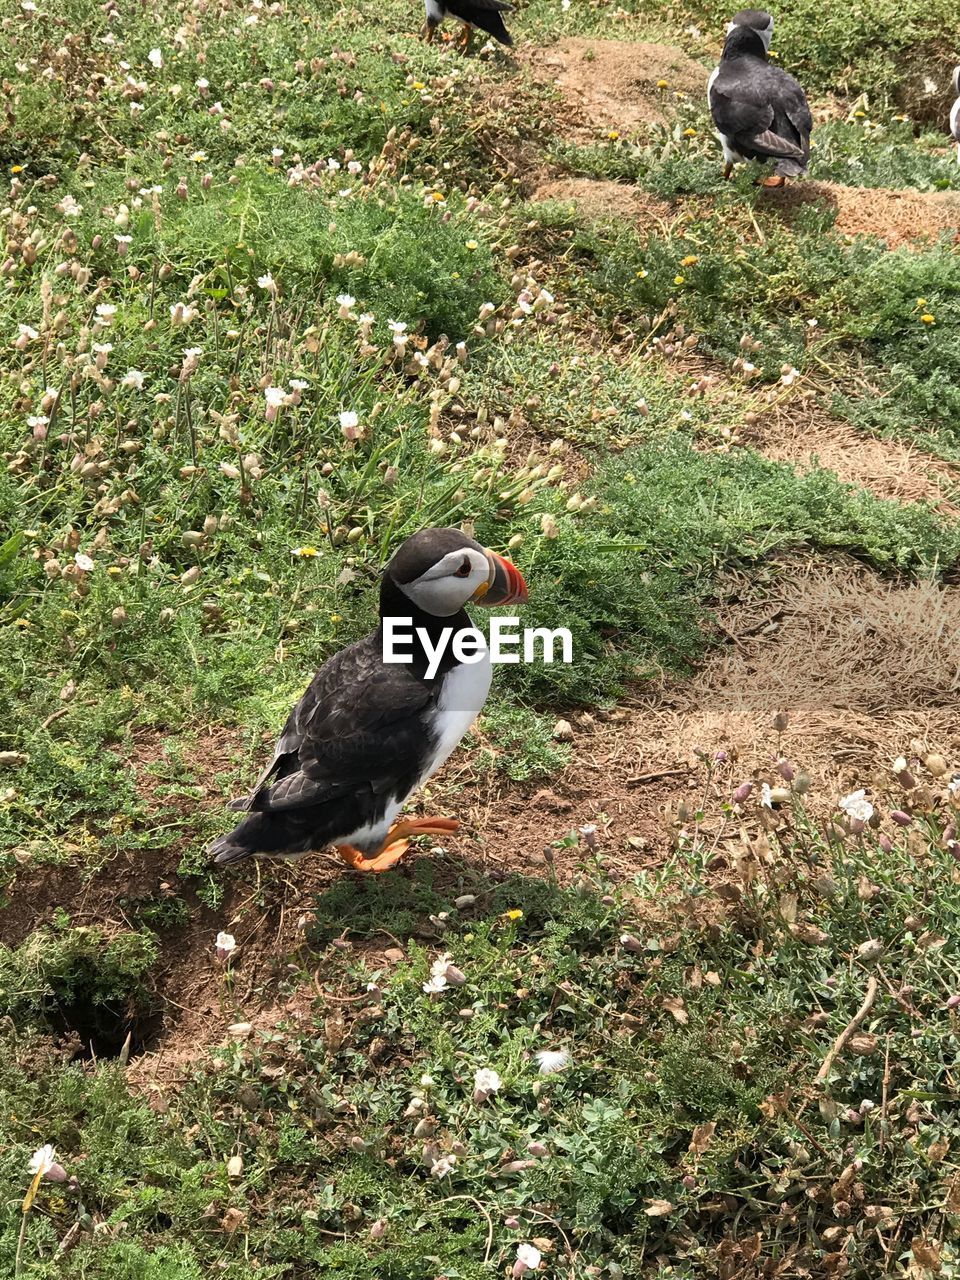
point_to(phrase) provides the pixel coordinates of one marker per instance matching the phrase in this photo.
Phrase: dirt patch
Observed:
(867, 670)
(805, 436)
(896, 217)
(612, 85)
(599, 199)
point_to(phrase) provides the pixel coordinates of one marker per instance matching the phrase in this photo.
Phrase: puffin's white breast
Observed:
(435, 11)
(462, 695)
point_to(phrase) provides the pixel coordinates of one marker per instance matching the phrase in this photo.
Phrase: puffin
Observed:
(955, 112)
(761, 113)
(485, 14)
(368, 733)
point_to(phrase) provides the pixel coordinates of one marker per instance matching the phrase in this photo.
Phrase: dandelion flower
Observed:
(663, 84)
(514, 914)
(927, 318)
(306, 553)
(678, 279)
(689, 133)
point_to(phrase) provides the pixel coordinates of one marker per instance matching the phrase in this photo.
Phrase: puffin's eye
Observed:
(464, 570)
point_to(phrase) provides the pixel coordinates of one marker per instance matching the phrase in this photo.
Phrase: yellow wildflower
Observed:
(678, 279)
(927, 318)
(690, 260)
(689, 133)
(307, 553)
(515, 914)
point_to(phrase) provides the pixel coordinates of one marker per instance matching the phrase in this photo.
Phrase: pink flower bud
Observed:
(742, 792)
(537, 1149)
(379, 1229)
(886, 844)
(953, 1002)
(900, 818)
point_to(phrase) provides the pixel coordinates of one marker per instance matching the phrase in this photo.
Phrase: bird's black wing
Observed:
(762, 109)
(485, 14)
(358, 726)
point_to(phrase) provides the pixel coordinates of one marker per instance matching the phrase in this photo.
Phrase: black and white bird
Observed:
(760, 111)
(368, 733)
(485, 14)
(955, 112)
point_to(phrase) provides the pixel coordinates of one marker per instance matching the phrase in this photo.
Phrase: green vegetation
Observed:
(695, 1031)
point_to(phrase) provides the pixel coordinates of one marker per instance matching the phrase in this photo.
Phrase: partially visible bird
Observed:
(955, 112)
(760, 111)
(485, 14)
(368, 733)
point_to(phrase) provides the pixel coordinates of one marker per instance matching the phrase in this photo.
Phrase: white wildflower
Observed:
(155, 58)
(856, 806)
(133, 380)
(83, 562)
(486, 1082)
(225, 945)
(268, 283)
(528, 1259)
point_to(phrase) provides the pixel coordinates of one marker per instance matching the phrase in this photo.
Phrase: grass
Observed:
(271, 299)
(697, 1031)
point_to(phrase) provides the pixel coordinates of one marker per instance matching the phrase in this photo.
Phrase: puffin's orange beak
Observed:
(504, 586)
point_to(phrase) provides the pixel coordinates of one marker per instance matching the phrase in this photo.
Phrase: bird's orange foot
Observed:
(396, 843)
(463, 44)
(778, 180)
(385, 860)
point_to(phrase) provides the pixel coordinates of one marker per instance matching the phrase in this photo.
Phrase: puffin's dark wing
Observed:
(358, 724)
(485, 14)
(763, 109)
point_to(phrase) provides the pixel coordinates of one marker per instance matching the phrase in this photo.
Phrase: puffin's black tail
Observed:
(270, 835)
(485, 14)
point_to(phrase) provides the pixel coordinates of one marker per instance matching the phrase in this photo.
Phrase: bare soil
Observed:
(805, 435)
(612, 85)
(898, 217)
(600, 199)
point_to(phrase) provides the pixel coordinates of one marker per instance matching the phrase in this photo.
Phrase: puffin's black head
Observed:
(441, 570)
(746, 28)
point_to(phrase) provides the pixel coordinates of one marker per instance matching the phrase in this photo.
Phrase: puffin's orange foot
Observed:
(463, 44)
(778, 180)
(422, 827)
(396, 843)
(385, 860)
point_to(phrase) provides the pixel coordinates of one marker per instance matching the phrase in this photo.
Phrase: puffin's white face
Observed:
(956, 79)
(765, 33)
(449, 584)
